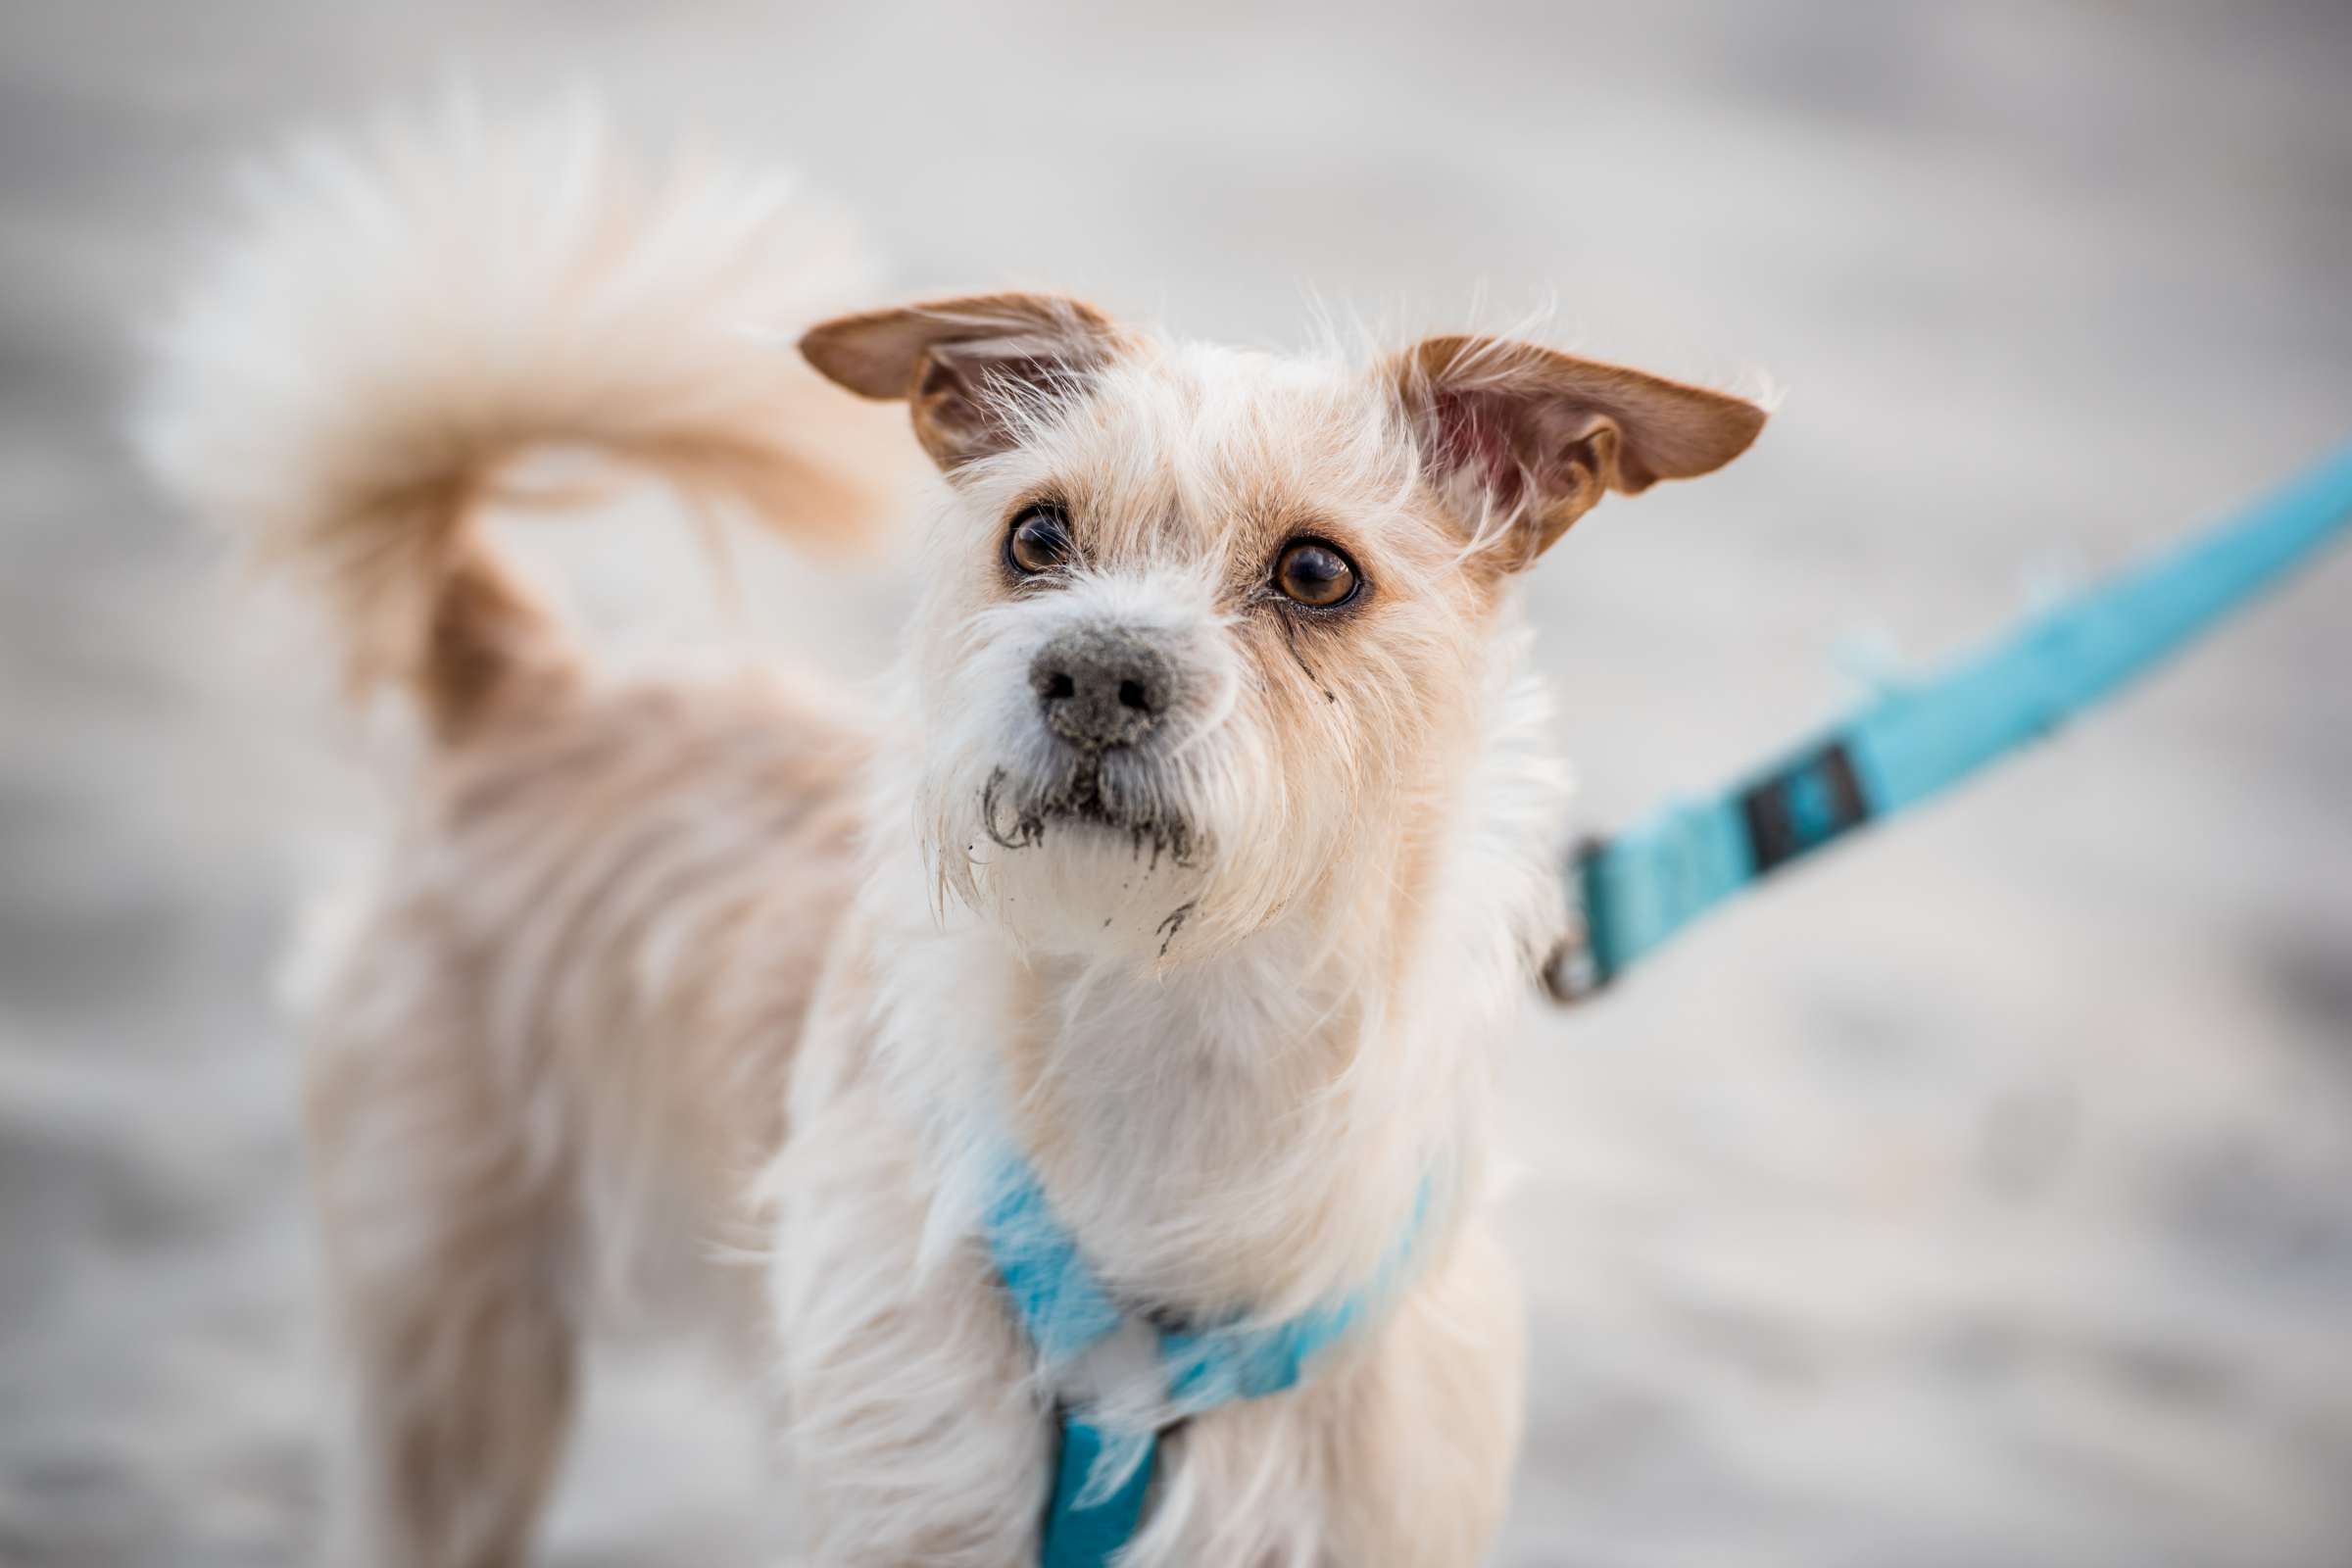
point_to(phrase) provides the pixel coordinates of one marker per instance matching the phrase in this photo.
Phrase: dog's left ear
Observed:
(1516, 431)
(967, 367)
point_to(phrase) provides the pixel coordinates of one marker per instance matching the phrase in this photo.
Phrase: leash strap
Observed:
(1644, 885)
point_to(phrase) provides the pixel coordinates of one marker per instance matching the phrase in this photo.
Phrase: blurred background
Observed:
(1983, 1194)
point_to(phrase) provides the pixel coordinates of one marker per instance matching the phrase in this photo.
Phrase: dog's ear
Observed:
(972, 369)
(1513, 430)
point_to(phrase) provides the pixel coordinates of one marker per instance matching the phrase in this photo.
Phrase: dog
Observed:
(1197, 851)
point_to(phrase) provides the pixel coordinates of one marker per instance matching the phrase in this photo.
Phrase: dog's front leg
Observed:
(1396, 1454)
(910, 1414)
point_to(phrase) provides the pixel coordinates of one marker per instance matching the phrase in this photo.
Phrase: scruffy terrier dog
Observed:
(1197, 858)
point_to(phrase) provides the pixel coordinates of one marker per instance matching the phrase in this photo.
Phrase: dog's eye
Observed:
(1040, 541)
(1316, 574)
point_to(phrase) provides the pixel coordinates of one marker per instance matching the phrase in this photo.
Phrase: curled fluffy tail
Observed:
(403, 318)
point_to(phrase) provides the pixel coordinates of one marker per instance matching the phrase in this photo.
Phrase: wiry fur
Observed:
(1232, 994)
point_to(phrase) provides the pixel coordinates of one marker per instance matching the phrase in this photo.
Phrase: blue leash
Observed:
(1640, 888)
(1643, 886)
(1103, 1475)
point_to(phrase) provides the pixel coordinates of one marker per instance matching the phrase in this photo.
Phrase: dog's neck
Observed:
(1250, 1131)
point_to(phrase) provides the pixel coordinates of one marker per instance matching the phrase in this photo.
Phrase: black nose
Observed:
(1101, 686)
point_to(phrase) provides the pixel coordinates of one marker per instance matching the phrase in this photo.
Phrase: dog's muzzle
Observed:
(1103, 692)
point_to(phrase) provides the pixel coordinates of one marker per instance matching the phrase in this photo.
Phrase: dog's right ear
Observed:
(972, 370)
(1540, 436)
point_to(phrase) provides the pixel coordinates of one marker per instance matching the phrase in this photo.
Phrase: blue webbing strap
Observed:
(1081, 1532)
(1646, 884)
(1101, 1476)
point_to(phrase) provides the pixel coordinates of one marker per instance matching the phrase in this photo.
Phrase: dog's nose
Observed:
(1101, 686)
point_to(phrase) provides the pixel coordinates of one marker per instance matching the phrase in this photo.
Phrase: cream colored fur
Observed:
(658, 969)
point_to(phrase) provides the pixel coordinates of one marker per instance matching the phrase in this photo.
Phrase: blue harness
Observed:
(1102, 1474)
(1646, 884)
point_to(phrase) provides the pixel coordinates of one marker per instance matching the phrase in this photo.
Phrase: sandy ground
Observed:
(1984, 1196)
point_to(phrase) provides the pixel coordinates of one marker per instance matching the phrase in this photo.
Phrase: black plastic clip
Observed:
(1803, 806)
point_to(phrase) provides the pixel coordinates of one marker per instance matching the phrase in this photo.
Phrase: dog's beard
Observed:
(1086, 792)
(1125, 853)
(1082, 853)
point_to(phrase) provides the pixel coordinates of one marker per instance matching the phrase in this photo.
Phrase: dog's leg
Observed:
(1422, 1438)
(909, 1414)
(1398, 1455)
(441, 1225)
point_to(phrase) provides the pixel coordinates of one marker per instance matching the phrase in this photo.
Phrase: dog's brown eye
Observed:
(1040, 541)
(1316, 574)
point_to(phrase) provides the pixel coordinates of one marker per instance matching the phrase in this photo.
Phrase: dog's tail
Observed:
(404, 317)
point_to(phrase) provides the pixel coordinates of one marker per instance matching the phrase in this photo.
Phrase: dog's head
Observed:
(1205, 636)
